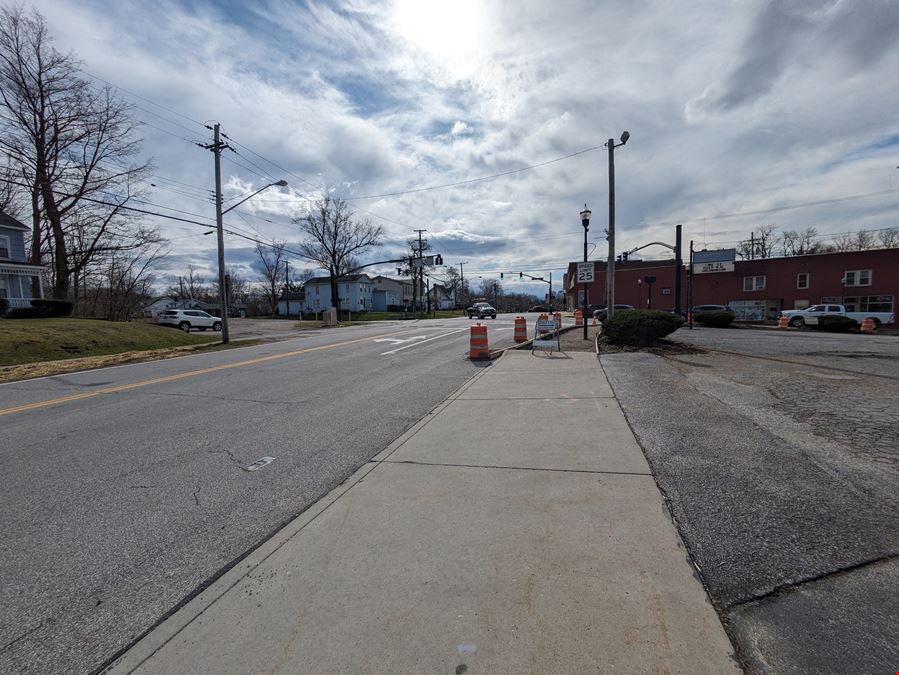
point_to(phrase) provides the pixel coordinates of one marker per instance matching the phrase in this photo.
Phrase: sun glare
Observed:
(447, 29)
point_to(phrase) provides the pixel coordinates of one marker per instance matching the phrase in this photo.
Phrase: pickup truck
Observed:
(481, 310)
(810, 315)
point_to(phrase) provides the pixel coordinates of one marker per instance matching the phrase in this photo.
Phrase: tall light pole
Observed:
(610, 265)
(585, 221)
(217, 147)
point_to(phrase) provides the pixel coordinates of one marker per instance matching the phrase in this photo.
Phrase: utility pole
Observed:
(690, 287)
(287, 286)
(462, 284)
(678, 262)
(610, 266)
(216, 148)
(419, 277)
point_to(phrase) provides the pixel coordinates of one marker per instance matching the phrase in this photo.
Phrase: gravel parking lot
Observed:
(779, 455)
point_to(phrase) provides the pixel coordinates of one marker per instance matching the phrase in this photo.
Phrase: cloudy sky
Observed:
(734, 107)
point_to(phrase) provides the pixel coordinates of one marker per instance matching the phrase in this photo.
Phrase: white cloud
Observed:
(726, 113)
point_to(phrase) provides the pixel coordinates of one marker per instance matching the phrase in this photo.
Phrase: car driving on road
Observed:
(481, 310)
(185, 319)
(810, 315)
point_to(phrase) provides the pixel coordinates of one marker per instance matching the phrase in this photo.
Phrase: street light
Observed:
(223, 295)
(610, 266)
(585, 221)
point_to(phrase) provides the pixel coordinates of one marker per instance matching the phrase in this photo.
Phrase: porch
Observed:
(15, 283)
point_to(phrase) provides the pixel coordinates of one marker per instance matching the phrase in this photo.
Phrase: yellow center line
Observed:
(179, 376)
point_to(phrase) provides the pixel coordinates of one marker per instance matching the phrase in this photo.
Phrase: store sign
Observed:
(706, 268)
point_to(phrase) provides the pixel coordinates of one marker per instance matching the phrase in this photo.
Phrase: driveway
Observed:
(779, 455)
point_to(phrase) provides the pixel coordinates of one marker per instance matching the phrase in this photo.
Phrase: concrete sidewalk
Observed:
(515, 529)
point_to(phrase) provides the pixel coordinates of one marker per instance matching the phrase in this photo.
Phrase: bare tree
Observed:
(73, 147)
(889, 237)
(805, 242)
(271, 264)
(492, 289)
(192, 286)
(333, 238)
(855, 241)
(760, 245)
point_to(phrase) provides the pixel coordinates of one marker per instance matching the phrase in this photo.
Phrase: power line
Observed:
(476, 180)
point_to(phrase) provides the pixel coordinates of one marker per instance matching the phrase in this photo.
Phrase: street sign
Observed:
(545, 335)
(585, 272)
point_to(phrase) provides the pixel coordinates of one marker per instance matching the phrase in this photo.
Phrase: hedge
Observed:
(4, 306)
(715, 319)
(42, 308)
(836, 324)
(640, 327)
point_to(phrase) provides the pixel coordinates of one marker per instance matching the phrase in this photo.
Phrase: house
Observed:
(152, 308)
(442, 297)
(291, 304)
(354, 291)
(18, 279)
(389, 294)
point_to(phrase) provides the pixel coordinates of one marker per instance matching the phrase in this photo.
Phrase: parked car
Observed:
(810, 316)
(699, 309)
(538, 308)
(601, 312)
(481, 310)
(185, 319)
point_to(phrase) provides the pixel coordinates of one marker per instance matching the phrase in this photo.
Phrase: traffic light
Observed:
(438, 259)
(520, 275)
(501, 275)
(625, 255)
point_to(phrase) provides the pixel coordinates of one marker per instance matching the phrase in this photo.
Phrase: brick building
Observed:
(758, 289)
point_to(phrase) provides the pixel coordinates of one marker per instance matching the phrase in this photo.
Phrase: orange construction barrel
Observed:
(478, 343)
(867, 325)
(578, 317)
(783, 322)
(521, 329)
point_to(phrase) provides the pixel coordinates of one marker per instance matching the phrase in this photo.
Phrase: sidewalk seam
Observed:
(512, 468)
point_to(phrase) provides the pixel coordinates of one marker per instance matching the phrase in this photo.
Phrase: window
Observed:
(857, 278)
(802, 280)
(753, 283)
(4, 247)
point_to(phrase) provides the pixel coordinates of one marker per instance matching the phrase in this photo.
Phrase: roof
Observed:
(8, 221)
(340, 280)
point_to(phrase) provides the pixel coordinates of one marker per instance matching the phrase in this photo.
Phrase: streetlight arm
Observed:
(280, 183)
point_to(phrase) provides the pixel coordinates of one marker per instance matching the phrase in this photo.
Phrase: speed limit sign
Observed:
(584, 272)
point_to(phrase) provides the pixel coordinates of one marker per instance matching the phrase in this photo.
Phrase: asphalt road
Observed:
(779, 456)
(125, 490)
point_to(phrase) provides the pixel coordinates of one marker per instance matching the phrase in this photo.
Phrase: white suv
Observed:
(186, 319)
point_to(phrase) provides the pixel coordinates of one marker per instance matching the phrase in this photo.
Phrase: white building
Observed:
(354, 291)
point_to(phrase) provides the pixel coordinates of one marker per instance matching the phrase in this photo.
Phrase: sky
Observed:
(765, 109)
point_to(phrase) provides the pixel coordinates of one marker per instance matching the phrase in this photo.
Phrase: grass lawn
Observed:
(31, 340)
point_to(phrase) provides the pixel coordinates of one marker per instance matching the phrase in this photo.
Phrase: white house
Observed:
(442, 297)
(292, 304)
(354, 291)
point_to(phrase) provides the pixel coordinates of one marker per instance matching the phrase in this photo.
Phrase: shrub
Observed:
(836, 324)
(714, 319)
(53, 308)
(4, 306)
(640, 327)
(26, 313)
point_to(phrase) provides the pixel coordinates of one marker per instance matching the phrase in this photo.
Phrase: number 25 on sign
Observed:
(584, 272)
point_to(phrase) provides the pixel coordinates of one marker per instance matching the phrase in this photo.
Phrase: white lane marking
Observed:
(259, 463)
(398, 341)
(415, 344)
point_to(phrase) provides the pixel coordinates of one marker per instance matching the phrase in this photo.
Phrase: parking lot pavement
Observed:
(779, 455)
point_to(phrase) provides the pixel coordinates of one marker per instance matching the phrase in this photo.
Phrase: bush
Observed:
(4, 306)
(836, 324)
(640, 327)
(54, 308)
(714, 319)
(26, 313)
